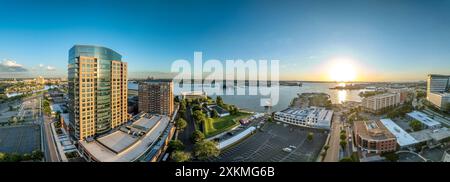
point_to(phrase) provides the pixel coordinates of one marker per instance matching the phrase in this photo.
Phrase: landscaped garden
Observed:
(214, 126)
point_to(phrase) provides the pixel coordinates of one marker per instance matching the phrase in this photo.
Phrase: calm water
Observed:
(286, 94)
(13, 94)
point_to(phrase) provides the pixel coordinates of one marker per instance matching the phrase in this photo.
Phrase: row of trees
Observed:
(400, 111)
(203, 149)
(16, 157)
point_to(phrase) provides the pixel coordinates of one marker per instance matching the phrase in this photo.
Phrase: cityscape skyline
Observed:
(230, 81)
(378, 39)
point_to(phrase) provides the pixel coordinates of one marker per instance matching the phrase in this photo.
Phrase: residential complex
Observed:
(381, 101)
(97, 80)
(314, 117)
(374, 137)
(438, 87)
(156, 97)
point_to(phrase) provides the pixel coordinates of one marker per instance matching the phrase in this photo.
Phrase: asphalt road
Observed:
(49, 143)
(185, 135)
(334, 146)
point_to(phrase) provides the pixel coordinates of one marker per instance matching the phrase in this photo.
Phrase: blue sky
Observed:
(386, 40)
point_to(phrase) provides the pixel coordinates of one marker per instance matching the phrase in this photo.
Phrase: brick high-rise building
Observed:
(156, 97)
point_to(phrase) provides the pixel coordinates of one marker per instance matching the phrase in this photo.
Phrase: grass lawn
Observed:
(215, 126)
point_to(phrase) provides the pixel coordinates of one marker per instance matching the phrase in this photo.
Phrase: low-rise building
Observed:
(379, 102)
(431, 136)
(424, 119)
(194, 95)
(314, 117)
(142, 139)
(404, 139)
(374, 137)
(220, 111)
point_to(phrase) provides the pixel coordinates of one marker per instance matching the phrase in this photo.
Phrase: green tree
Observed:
(391, 156)
(214, 114)
(180, 156)
(269, 119)
(176, 145)
(181, 124)
(310, 136)
(198, 115)
(343, 137)
(198, 136)
(346, 159)
(206, 149)
(37, 155)
(183, 105)
(343, 143)
(415, 125)
(15, 157)
(3, 156)
(219, 101)
(26, 157)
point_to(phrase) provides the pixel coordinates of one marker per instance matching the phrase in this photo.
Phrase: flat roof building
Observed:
(156, 97)
(130, 143)
(438, 88)
(379, 102)
(431, 136)
(314, 117)
(404, 139)
(424, 119)
(374, 137)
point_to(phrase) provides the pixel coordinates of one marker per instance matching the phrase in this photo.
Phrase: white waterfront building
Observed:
(313, 117)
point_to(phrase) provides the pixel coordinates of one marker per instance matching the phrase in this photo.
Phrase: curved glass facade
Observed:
(90, 88)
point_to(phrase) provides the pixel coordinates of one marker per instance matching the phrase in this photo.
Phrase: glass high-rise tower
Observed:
(97, 80)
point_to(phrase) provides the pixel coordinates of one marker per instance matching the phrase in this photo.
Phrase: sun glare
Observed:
(342, 70)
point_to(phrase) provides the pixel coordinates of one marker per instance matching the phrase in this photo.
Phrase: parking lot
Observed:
(267, 145)
(20, 139)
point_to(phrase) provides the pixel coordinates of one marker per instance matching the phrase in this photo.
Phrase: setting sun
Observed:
(342, 70)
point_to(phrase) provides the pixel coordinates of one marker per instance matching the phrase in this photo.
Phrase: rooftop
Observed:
(388, 94)
(314, 115)
(126, 145)
(318, 112)
(431, 134)
(423, 118)
(403, 138)
(374, 130)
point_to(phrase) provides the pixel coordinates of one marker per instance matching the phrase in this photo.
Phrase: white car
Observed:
(287, 149)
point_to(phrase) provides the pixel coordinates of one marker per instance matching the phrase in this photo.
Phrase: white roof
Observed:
(118, 140)
(403, 138)
(133, 151)
(424, 119)
(228, 142)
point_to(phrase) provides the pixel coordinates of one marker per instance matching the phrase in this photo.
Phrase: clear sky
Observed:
(391, 40)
